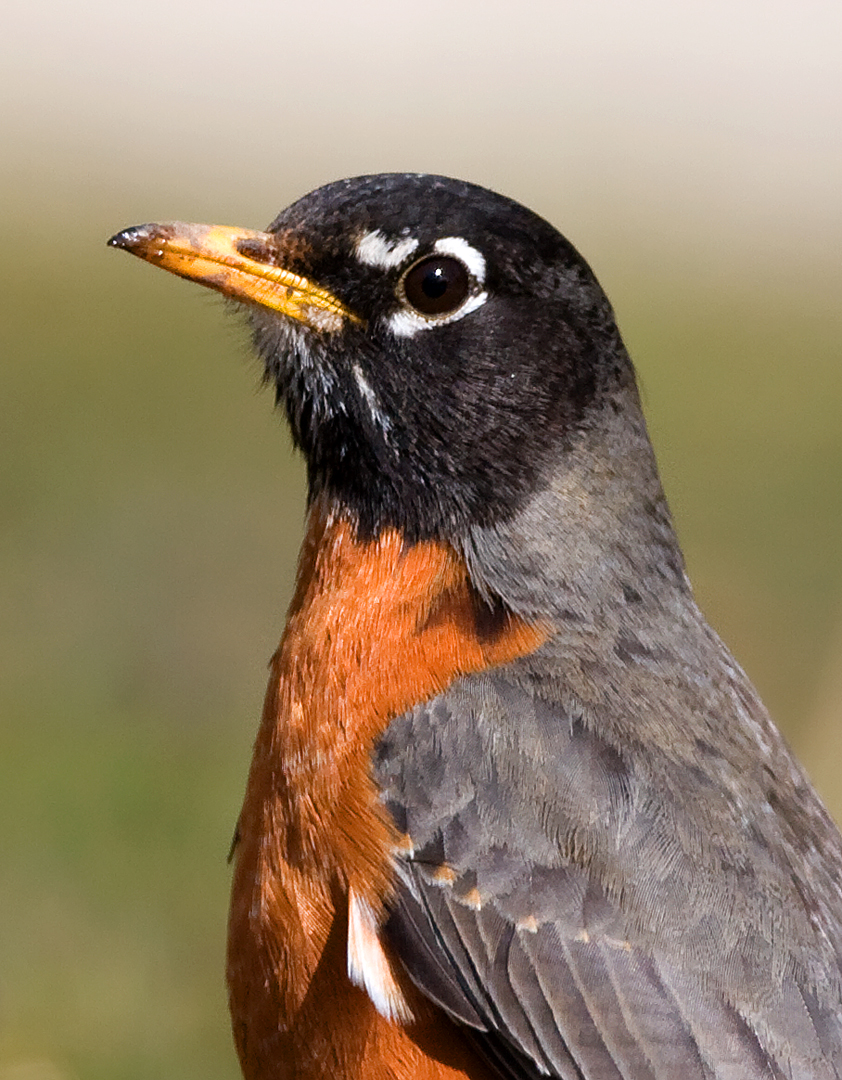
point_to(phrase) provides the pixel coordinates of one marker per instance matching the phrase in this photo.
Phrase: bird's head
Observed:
(437, 347)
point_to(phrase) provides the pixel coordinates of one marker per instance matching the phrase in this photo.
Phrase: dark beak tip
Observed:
(131, 238)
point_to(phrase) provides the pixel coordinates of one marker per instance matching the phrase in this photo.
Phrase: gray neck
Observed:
(599, 531)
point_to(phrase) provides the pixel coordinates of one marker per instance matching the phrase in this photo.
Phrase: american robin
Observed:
(514, 810)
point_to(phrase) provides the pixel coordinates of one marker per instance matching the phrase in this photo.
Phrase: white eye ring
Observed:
(436, 286)
(408, 320)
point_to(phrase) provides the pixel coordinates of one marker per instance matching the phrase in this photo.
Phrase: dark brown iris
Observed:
(437, 285)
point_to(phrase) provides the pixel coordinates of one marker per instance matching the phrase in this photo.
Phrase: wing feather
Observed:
(564, 904)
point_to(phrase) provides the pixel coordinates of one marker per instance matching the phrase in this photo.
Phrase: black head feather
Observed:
(437, 425)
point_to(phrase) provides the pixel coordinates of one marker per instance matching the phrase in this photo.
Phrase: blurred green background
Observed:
(151, 507)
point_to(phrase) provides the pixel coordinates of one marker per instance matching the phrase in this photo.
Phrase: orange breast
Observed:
(373, 629)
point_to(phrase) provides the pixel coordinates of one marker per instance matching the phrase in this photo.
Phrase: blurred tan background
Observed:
(150, 504)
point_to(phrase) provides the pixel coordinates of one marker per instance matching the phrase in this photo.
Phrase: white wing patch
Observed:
(368, 965)
(378, 250)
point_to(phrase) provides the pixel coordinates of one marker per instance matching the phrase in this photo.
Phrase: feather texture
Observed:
(593, 924)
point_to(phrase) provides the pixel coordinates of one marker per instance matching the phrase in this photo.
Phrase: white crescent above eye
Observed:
(460, 249)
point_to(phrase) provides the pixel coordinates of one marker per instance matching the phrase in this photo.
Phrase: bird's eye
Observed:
(437, 285)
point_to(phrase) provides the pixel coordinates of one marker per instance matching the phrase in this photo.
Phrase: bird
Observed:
(514, 810)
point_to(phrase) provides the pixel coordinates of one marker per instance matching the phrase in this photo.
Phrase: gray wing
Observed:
(595, 906)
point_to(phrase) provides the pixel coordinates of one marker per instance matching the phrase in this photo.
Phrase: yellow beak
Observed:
(238, 263)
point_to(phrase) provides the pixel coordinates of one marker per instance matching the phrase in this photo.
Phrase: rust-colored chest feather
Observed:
(373, 629)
